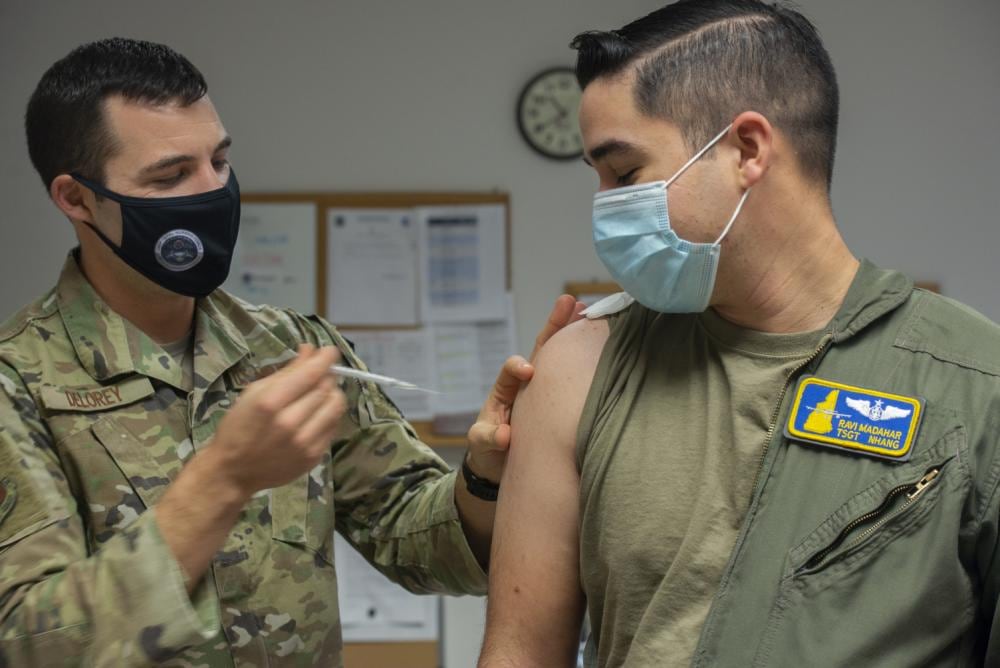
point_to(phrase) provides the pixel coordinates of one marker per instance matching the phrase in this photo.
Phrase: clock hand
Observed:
(541, 126)
(559, 107)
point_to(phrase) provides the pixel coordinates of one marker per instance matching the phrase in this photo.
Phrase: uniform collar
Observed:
(109, 346)
(873, 293)
(101, 338)
(221, 325)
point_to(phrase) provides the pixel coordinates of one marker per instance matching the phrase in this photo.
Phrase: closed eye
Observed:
(170, 180)
(626, 179)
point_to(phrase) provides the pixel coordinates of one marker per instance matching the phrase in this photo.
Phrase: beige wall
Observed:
(340, 95)
(367, 94)
(395, 95)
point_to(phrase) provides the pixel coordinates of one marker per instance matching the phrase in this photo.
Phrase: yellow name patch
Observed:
(860, 421)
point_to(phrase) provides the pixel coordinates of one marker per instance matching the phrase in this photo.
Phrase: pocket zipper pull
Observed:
(916, 490)
(923, 483)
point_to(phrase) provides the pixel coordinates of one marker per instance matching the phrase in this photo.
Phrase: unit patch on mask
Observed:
(854, 419)
(179, 250)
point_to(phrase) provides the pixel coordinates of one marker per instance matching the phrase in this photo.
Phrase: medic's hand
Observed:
(282, 425)
(489, 437)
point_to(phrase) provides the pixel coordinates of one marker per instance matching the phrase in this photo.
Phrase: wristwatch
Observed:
(481, 488)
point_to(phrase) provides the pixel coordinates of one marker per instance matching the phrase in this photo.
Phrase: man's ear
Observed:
(74, 200)
(754, 137)
(81, 206)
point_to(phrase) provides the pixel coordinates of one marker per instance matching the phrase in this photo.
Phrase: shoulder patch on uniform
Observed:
(854, 419)
(8, 497)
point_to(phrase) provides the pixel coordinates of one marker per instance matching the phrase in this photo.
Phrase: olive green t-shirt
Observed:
(670, 441)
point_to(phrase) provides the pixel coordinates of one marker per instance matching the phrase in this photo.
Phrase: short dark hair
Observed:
(65, 123)
(700, 63)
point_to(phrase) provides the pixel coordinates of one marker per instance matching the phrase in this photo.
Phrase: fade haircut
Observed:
(700, 63)
(65, 123)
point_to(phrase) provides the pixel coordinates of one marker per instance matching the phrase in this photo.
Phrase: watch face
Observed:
(547, 114)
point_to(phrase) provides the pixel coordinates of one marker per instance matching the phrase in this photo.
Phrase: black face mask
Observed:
(184, 244)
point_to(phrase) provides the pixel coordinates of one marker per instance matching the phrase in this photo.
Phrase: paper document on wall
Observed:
(463, 262)
(404, 354)
(468, 357)
(372, 267)
(372, 608)
(275, 257)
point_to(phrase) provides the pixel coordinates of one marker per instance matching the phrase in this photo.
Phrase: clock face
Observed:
(547, 114)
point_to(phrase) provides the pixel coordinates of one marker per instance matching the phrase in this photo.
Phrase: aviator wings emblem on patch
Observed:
(879, 411)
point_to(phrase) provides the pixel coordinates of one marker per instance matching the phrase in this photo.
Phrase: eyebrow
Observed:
(609, 148)
(178, 159)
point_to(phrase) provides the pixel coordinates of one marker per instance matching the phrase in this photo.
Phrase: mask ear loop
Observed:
(729, 225)
(699, 154)
(101, 191)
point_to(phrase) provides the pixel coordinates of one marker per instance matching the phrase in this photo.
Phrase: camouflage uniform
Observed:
(94, 425)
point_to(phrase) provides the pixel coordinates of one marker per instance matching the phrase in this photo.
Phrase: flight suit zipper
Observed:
(776, 413)
(877, 517)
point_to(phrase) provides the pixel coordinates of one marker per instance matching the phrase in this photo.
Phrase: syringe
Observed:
(384, 381)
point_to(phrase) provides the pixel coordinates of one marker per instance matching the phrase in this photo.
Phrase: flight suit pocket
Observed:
(898, 508)
(864, 584)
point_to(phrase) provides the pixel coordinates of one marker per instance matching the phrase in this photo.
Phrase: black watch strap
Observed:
(481, 488)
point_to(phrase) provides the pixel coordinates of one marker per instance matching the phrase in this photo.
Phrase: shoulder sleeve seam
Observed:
(951, 359)
(908, 341)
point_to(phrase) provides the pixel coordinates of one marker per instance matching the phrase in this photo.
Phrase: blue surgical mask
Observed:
(634, 240)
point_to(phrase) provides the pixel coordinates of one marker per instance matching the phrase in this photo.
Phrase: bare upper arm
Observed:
(536, 603)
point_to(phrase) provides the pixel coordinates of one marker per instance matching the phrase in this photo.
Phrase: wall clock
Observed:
(547, 114)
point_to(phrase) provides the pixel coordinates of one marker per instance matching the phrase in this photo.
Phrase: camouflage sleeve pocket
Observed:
(25, 471)
(21, 510)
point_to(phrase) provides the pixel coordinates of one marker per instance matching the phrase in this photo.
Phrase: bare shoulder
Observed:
(573, 350)
(552, 402)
